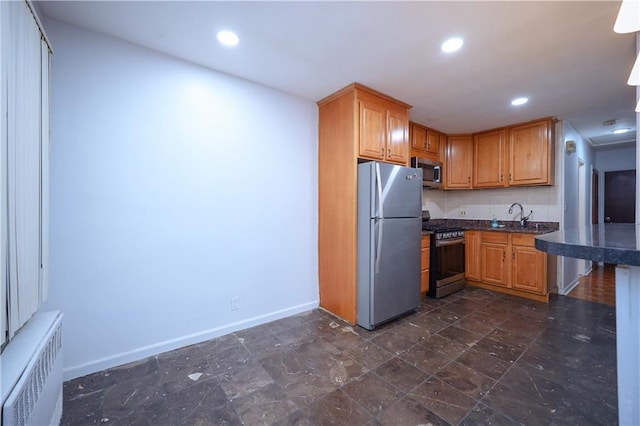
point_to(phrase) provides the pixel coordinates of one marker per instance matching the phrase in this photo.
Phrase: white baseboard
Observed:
(575, 283)
(566, 290)
(169, 345)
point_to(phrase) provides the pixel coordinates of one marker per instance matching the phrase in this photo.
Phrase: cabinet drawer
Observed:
(495, 237)
(426, 240)
(525, 240)
(424, 262)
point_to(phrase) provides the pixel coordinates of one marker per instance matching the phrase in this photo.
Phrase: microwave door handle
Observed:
(437, 174)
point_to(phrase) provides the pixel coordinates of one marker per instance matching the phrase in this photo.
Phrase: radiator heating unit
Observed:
(31, 368)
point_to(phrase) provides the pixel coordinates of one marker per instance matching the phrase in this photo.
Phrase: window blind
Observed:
(25, 143)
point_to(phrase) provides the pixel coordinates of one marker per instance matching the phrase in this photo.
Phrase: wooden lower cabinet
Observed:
(528, 265)
(494, 261)
(507, 263)
(426, 253)
(472, 257)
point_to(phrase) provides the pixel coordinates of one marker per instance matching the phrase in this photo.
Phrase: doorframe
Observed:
(595, 199)
(583, 267)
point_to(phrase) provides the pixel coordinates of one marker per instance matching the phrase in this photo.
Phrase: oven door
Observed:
(447, 263)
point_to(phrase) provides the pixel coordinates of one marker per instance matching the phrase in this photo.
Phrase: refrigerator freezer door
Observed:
(400, 192)
(390, 284)
(390, 190)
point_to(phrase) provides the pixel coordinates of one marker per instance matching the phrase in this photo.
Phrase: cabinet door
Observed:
(528, 269)
(458, 162)
(424, 263)
(373, 119)
(495, 262)
(433, 142)
(418, 137)
(528, 265)
(490, 159)
(397, 137)
(472, 256)
(530, 154)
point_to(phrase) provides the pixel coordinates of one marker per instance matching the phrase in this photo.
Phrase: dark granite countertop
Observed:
(506, 225)
(611, 243)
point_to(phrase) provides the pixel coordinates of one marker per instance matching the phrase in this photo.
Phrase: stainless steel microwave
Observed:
(431, 172)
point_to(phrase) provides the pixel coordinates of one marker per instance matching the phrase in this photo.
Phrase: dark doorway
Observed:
(620, 197)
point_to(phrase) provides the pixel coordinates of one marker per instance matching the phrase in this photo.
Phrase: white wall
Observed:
(612, 160)
(173, 189)
(573, 268)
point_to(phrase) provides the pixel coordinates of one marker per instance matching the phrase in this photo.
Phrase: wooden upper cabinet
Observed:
(397, 137)
(384, 131)
(531, 153)
(425, 142)
(373, 130)
(433, 142)
(443, 146)
(459, 161)
(418, 136)
(490, 159)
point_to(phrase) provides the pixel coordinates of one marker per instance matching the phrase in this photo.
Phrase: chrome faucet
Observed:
(523, 218)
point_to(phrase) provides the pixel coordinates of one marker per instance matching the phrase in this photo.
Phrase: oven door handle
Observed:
(440, 243)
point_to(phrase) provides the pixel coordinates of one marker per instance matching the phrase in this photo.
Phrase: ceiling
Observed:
(563, 55)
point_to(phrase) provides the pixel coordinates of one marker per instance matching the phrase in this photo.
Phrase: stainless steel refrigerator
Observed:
(389, 237)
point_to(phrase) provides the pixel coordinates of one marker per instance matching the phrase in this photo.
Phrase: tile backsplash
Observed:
(484, 204)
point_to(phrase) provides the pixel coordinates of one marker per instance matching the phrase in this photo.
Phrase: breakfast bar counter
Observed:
(618, 244)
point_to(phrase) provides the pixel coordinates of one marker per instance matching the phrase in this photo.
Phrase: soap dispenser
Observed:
(494, 222)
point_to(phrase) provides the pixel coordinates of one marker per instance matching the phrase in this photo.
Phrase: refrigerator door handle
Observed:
(381, 215)
(378, 206)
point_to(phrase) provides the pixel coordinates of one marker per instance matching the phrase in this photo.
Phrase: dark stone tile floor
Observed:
(474, 358)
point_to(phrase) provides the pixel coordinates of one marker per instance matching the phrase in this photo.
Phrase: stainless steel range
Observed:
(447, 260)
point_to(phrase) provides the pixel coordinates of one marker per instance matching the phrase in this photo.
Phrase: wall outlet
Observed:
(235, 303)
(463, 212)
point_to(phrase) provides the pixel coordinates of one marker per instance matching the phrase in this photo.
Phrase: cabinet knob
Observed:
(501, 177)
(389, 152)
(382, 151)
(468, 179)
(504, 255)
(510, 177)
(513, 255)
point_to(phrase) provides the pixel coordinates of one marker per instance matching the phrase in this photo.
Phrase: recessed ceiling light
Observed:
(452, 44)
(618, 131)
(519, 101)
(228, 38)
